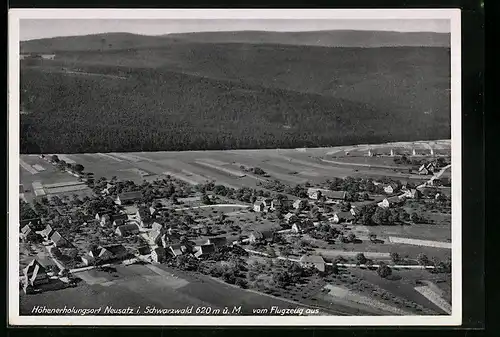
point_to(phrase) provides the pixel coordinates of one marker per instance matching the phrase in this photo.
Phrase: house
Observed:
(47, 232)
(388, 189)
(127, 198)
(154, 237)
(127, 229)
(35, 222)
(291, 218)
(143, 250)
(354, 211)
(158, 254)
(301, 228)
(104, 220)
(119, 222)
(387, 202)
(204, 250)
(217, 241)
(279, 203)
(261, 236)
(58, 240)
(259, 206)
(384, 203)
(142, 214)
(431, 167)
(157, 227)
(345, 216)
(341, 217)
(180, 249)
(27, 233)
(167, 238)
(411, 194)
(87, 259)
(100, 215)
(316, 193)
(422, 170)
(267, 202)
(48, 56)
(117, 251)
(299, 203)
(35, 274)
(315, 261)
(100, 253)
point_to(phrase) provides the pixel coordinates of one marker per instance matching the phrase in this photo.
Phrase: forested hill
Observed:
(324, 38)
(334, 38)
(189, 95)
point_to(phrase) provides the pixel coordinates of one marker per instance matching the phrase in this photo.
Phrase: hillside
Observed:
(120, 41)
(189, 95)
(335, 38)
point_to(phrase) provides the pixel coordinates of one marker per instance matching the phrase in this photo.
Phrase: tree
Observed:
(78, 168)
(360, 258)
(423, 260)
(395, 257)
(383, 270)
(54, 158)
(351, 237)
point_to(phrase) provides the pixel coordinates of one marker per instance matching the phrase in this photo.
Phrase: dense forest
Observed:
(202, 96)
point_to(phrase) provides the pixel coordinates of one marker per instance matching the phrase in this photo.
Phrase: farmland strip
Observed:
(223, 169)
(432, 296)
(66, 159)
(417, 242)
(105, 155)
(27, 167)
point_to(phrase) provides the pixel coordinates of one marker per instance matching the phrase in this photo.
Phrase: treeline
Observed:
(154, 110)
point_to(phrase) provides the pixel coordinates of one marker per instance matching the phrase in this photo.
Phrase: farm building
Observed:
(127, 229)
(299, 203)
(119, 222)
(204, 250)
(180, 249)
(58, 240)
(260, 206)
(261, 236)
(35, 274)
(387, 202)
(316, 193)
(354, 211)
(217, 241)
(158, 254)
(47, 231)
(291, 218)
(127, 198)
(389, 189)
(384, 203)
(315, 261)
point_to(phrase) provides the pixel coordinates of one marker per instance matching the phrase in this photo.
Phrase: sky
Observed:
(30, 29)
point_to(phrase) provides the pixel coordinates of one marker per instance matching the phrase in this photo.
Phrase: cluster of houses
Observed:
(428, 168)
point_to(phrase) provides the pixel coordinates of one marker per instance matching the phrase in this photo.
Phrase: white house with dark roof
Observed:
(127, 229)
(127, 198)
(158, 254)
(218, 242)
(316, 261)
(35, 274)
(204, 250)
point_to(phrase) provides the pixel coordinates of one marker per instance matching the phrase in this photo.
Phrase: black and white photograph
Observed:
(234, 167)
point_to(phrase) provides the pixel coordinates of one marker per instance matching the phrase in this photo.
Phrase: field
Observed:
(291, 166)
(137, 285)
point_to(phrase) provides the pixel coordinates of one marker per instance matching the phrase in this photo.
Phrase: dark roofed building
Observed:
(127, 229)
(261, 236)
(128, 197)
(315, 261)
(58, 240)
(204, 250)
(217, 241)
(35, 274)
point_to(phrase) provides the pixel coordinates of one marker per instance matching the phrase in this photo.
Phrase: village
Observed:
(254, 238)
